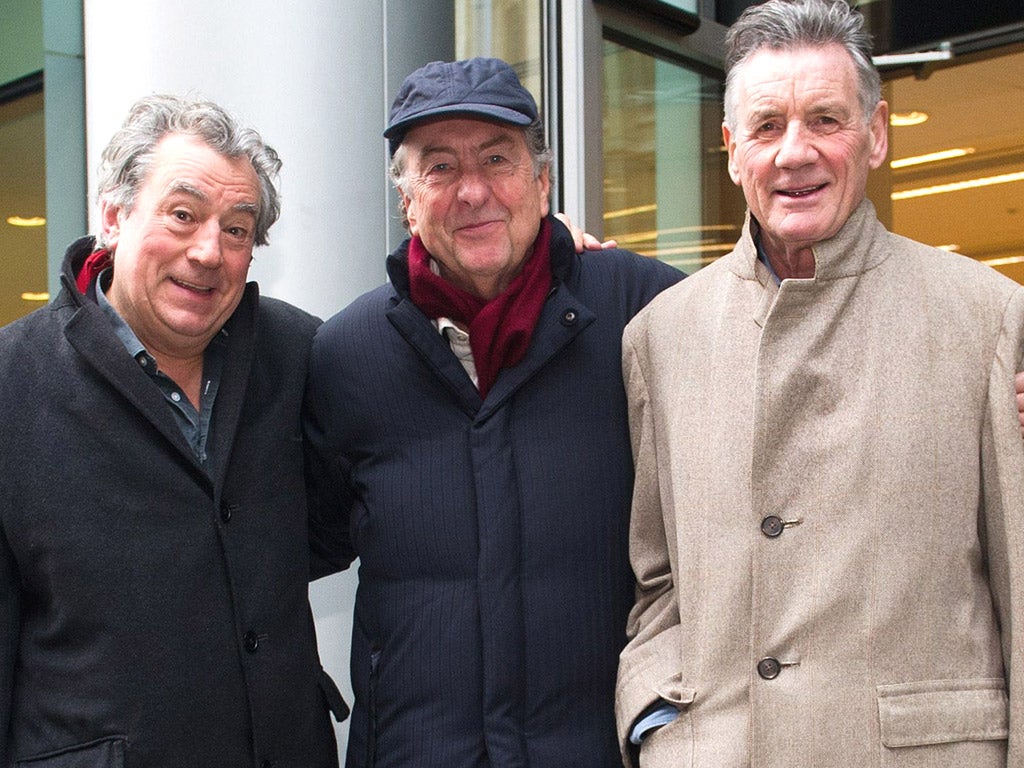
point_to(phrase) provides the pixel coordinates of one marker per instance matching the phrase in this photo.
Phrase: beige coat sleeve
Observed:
(648, 668)
(1002, 514)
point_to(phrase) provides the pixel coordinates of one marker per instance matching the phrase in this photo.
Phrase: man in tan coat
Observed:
(829, 550)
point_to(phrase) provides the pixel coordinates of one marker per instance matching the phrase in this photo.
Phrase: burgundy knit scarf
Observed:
(500, 329)
(94, 264)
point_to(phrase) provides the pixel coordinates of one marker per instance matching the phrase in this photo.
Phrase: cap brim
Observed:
(489, 111)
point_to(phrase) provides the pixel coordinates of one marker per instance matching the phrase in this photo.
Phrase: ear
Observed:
(879, 127)
(110, 222)
(730, 146)
(411, 214)
(544, 187)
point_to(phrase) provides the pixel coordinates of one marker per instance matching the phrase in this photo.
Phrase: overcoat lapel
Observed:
(88, 331)
(241, 330)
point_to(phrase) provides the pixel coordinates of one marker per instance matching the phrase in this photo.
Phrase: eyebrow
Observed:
(185, 188)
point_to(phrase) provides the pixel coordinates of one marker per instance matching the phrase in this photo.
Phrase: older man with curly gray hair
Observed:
(153, 548)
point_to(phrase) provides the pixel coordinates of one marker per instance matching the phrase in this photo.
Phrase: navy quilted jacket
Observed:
(494, 583)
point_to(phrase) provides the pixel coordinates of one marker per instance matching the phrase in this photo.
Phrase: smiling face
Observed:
(181, 255)
(801, 148)
(473, 199)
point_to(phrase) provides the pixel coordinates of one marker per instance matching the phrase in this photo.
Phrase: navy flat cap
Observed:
(477, 87)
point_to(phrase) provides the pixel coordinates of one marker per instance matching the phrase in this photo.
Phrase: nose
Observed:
(473, 188)
(205, 249)
(796, 147)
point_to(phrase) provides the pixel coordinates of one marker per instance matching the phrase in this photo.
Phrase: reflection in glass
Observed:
(667, 192)
(22, 199)
(505, 29)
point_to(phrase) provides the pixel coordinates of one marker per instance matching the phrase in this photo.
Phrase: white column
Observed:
(308, 75)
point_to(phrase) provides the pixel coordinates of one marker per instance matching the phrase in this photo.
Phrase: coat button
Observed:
(772, 526)
(251, 641)
(227, 511)
(769, 668)
(569, 317)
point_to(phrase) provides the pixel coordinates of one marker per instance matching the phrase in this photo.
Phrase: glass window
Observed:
(667, 191)
(505, 29)
(956, 159)
(22, 206)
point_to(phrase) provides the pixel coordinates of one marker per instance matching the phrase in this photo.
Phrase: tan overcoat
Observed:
(828, 520)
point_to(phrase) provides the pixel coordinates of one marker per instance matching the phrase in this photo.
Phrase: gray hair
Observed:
(790, 24)
(536, 145)
(127, 160)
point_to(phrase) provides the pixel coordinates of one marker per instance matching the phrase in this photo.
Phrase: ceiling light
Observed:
(957, 186)
(903, 119)
(32, 296)
(932, 157)
(21, 221)
(1003, 261)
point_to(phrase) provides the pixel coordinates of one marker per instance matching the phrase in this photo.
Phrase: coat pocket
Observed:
(105, 753)
(943, 711)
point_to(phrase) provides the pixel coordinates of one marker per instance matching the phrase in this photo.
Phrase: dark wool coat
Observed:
(494, 582)
(152, 615)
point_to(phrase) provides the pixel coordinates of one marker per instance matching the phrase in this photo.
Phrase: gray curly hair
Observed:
(127, 159)
(788, 24)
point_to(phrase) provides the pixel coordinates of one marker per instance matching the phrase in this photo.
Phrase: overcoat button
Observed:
(226, 511)
(569, 317)
(251, 641)
(772, 526)
(769, 668)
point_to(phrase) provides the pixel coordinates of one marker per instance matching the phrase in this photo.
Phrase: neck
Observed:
(186, 372)
(798, 264)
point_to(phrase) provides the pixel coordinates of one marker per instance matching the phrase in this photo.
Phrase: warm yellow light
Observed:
(631, 211)
(903, 119)
(31, 296)
(932, 157)
(1003, 261)
(953, 247)
(651, 234)
(957, 186)
(21, 221)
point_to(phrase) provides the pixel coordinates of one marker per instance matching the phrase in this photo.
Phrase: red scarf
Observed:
(96, 262)
(500, 329)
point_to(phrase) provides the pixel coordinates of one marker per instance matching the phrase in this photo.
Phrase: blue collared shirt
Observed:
(766, 261)
(194, 424)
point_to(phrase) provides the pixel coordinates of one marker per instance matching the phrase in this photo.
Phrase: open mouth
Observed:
(191, 286)
(804, 192)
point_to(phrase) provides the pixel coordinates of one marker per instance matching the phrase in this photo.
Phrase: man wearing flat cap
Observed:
(468, 443)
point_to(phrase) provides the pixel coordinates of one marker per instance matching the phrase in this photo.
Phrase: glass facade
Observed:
(667, 192)
(22, 206)
(506, 29)
(956, 152)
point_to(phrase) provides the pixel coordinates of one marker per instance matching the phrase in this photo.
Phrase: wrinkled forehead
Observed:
(796, 74)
